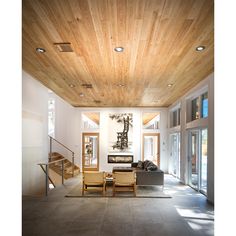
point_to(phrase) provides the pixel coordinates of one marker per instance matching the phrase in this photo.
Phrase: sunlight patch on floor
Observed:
(193, 213)
(194, 226)
(205, 226)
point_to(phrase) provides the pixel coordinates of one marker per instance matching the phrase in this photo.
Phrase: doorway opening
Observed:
(151, 147)
(90, 153)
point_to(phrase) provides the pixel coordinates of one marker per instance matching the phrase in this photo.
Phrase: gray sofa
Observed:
(145, 177)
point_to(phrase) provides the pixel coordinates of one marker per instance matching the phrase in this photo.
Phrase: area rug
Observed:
(142, 192)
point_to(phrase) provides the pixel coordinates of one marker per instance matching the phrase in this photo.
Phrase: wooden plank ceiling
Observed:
(159, 38)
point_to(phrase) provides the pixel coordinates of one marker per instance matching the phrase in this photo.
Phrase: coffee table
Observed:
(109, 180)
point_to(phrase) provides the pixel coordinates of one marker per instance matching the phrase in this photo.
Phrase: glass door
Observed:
(90, 154)
(194, 158)
(151, 148)
(203, 180)
(175, 155)
(198, 160)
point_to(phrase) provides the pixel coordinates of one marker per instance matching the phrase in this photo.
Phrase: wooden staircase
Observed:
(57, 167)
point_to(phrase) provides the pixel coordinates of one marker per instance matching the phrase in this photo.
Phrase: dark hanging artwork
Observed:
(122, 124)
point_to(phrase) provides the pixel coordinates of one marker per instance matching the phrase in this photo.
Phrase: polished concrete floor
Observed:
(186, 213)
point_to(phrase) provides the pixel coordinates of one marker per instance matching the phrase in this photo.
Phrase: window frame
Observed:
(177, 111)
(198, 96)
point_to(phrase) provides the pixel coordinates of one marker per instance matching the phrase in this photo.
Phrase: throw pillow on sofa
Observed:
(140, 165)
(152, 167)
(145, 164)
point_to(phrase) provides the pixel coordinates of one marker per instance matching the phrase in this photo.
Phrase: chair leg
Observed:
(114, 190)
(134, 189)
(83, 189)
(103, 189)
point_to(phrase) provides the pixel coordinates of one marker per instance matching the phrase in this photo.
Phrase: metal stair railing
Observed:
(46, 164)
(73, 154)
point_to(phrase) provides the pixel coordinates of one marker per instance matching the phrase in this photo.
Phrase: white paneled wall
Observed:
(34, 135)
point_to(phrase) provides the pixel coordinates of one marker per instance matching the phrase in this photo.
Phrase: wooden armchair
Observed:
(124, 181)
(94, 181)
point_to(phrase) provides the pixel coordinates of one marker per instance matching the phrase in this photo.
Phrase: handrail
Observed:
(60, 143)
(47, 175)
(73, 154)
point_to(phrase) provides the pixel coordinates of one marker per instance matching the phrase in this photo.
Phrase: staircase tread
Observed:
(56, 167)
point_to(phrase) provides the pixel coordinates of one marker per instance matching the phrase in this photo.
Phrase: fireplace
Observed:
(120, 158)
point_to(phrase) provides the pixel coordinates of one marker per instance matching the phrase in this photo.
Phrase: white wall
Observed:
(34, 134)
(207, 83)
(64, 126)
(104, 134)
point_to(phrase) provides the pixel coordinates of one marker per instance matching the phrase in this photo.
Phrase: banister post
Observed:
(73, 163)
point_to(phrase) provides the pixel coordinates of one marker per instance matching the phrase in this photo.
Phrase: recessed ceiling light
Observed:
(81, 95)
(169, 85)
(200, 48)
(119, 49)
(72, 85)
(40, 50)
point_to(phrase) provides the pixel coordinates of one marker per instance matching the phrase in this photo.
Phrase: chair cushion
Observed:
(124, 178)
(93, 177)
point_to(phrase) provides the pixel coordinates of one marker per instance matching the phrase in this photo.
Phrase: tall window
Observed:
(178, 116)
(203, 186)
(151, 120)
(90, 120)
(175, 154)
(195, 108)
(198, 161)
(175, 117)
(199, 107)
(51, 117)
(204, 111)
